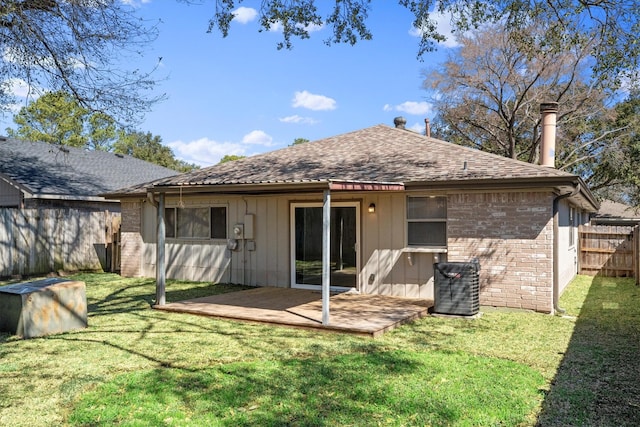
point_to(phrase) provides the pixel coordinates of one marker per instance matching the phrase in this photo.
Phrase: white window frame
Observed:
(292, 242)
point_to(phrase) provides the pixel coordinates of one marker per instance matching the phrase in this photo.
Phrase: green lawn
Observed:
(137, 366)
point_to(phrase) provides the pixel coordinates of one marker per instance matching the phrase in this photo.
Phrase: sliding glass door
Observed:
(306, 245)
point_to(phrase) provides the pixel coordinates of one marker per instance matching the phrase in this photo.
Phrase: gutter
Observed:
(556, 251)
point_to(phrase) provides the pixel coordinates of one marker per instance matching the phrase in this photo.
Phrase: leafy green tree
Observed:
(612, 26)
(54, 118)
(149, 147)
(230, 158)
(102, 131)
(79, 47)
(57, 118)
(299, 141)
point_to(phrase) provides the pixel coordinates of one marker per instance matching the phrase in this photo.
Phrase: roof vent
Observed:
(400, 122)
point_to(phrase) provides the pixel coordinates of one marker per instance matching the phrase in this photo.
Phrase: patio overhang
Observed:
(326, 187)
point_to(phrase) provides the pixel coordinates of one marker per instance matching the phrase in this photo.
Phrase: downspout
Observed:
(556, 250)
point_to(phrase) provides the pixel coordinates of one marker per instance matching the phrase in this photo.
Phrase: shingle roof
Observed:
(44, 169)
(379, 153)
(611, 209)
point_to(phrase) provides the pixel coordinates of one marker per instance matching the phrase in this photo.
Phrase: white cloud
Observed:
(17, 87)
(275, 28)
(418, 127)
(415, 108)
(443, 26)
(422, 108)
(244, 15)
(258, 137)
(314, 102)
(204, 151)
(298, 119)
(311, 28)
(135, 3)
(207, 152)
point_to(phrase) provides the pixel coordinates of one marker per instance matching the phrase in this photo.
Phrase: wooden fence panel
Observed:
(608, 250)
(42, 240)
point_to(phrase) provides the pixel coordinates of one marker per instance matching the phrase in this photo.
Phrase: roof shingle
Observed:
(44, 169)
(376, 154)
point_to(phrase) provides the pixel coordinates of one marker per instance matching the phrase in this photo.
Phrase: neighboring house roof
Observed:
(615, 212)
(377, 155)
(44, 170)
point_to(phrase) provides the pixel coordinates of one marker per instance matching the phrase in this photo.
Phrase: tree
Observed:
(299, 141)
(621, 162)
(79, 47)
(488, 97)
(230, 158)
(58, 119)
(146, 146)
(55, 118)
(612, 26)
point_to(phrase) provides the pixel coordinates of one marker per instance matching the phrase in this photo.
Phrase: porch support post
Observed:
(160, 264)
(326, 255)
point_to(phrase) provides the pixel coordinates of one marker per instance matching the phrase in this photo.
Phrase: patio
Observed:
(370, 315)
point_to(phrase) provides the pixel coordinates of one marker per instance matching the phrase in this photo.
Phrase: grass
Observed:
(138, 366)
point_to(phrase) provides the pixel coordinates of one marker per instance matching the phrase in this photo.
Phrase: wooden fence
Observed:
(40, 241)
(610, 251)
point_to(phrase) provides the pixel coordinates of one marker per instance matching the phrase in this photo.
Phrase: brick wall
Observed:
(131, 237)
(511, 234)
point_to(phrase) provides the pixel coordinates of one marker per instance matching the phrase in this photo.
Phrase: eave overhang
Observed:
(556, 184)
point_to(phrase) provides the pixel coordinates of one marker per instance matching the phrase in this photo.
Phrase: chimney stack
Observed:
(549, 111)
(427, 128)
(400, 122)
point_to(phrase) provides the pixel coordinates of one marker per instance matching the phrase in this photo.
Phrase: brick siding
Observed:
(131, 237)
(511, 234)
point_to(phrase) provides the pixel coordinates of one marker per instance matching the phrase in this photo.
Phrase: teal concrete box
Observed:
(43, 307)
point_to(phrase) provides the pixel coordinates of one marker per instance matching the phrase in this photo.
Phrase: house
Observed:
(616, 213)
(36, 174)
(52, 216)
(392, 202)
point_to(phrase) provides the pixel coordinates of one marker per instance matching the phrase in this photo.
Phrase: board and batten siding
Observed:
(211, 260)
(382, 243)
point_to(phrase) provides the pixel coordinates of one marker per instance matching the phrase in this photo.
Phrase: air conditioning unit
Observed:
(457, 288)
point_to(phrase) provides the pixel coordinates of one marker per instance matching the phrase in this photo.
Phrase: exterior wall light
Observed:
(372, 208)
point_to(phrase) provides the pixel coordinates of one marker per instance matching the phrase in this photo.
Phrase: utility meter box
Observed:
(249, 220)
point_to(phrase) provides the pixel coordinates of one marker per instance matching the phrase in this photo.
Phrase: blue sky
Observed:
(240, 95)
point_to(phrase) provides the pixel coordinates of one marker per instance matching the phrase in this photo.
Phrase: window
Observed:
(196, 223)
(572, 226)
(427, 221)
